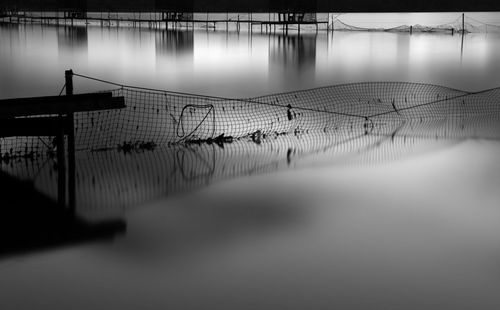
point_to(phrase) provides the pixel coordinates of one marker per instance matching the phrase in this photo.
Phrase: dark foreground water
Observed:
(399, 219)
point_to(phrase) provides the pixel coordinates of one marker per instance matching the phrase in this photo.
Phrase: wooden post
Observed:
(462, 47)
(463, 22)
(68, 74)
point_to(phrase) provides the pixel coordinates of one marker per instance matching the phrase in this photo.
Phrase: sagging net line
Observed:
(467, 25)
(157, 117)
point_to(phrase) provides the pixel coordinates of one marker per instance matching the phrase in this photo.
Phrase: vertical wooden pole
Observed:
(463, 22)
(71, 144)
(462, 47)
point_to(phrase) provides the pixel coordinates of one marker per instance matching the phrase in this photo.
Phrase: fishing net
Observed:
(165, 143)
(465, 24)
(154, 117)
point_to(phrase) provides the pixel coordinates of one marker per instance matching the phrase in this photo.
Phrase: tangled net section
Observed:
(154, 117)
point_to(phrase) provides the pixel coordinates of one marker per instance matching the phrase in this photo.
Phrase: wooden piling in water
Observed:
(68, 76)
(463, 22)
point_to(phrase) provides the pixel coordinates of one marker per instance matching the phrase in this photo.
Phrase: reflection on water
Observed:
(291, 217)
(232, 64)
(72, 38)
(164, 144)
(340, 212)
(108, 182)
(174, 43)
(292, 57)
(31, 221)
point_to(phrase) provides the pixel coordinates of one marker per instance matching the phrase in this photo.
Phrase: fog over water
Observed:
(408, 220)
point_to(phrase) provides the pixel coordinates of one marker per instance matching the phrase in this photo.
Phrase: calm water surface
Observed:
(417, 232)
(33, 59)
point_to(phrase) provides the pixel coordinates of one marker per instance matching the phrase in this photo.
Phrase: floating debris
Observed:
(289, 112)
(257, 137)
(289, 156)
(219, 140)
(138, 146)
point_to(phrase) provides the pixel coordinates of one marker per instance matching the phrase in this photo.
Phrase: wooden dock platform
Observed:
(54, 116)
(170, 20)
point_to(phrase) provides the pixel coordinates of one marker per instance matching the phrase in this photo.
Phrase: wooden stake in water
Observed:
(68, 75)
(463, 22)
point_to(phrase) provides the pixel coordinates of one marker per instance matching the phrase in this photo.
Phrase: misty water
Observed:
(407, 222)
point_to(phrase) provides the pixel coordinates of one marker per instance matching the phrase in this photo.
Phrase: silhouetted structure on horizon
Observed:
(249, 5)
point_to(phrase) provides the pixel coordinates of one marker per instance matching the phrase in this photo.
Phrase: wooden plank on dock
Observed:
(52, 105)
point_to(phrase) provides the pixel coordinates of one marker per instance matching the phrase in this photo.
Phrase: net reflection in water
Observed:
(168, 141)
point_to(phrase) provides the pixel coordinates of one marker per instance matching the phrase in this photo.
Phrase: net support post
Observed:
(70, 123)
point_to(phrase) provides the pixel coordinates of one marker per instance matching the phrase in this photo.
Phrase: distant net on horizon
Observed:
(466, 25)
(155, 117)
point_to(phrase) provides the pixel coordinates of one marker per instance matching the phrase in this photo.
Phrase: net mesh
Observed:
(154, 117)
(164, 143)
(464, 24)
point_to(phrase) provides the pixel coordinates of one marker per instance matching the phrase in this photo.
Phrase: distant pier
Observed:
(171, 20)
(269, 23)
